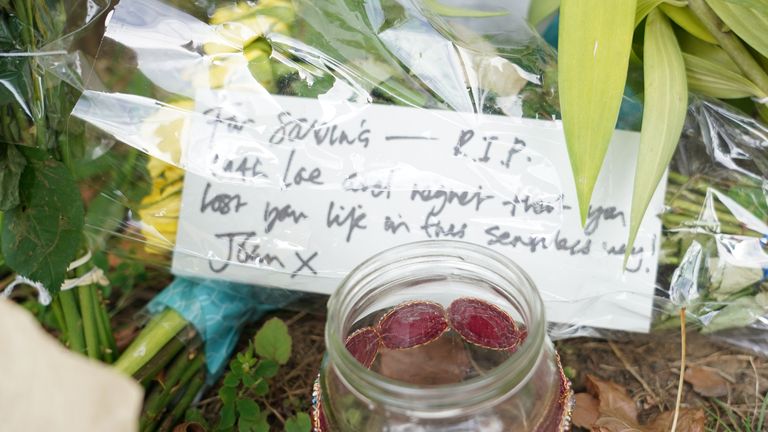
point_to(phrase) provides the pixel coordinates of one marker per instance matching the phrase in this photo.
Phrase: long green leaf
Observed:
(759, 5)
(644, 7)
(666, 101)
(595, 39)
(712, 79)
(707, 51)
(683, 17)
(748, 23)
(451, 11)
(541, 9)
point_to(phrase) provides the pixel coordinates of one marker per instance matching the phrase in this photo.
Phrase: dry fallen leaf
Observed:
(608, 408)
(586, 411)
(614, 400)
(45, 387)
(689, 420)
(706, 381)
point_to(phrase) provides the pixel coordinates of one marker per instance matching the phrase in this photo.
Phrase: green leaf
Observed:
(15, 82)
(273, 341)
(712, 79)
(228, 416)
(666, 102)
(12, 164)
(541, 9)
(41, 236)
(683, 17)
(299, 423)
(261, 388)
(644, 7)
(707, 51)
(231, 380)
(748, 23)
(250, 380)
(738, 313)
(758, 5)
(248, 409)
(266, 369)
(450, 11)
(595, 39)
(227, 394)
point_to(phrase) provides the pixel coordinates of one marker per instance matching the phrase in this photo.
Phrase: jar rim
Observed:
(477, 392)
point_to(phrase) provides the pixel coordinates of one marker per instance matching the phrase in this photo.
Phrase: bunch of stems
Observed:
(166, 359)
(686, 198)
(81, 314)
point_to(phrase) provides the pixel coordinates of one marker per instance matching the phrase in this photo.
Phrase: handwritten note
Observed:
(293, 193)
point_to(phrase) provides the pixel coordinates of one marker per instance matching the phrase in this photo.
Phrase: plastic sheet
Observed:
(201, 88)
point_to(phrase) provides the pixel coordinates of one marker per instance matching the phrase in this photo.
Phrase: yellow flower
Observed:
(159, 210)
(242, 28)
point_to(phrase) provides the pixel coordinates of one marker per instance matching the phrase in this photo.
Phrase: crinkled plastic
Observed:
(222, 96)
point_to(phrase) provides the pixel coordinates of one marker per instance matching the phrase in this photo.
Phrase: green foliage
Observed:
(12, 164)
(666, 103)
(299, 423)
(724, 50)
(732, 421)
(248, 380)
(541, 9)
(42, 235)
(595, 40)
(273, 341)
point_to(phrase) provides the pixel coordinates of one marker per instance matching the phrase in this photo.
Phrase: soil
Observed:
(647, 366)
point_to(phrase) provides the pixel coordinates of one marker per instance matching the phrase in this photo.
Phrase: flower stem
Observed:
(161, 329)
(149, 371)
(87, 314)
(194, 387)
(184, 368)
(106, 338)
(73, 321)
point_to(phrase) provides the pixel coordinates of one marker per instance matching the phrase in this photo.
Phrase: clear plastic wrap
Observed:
(288, 140)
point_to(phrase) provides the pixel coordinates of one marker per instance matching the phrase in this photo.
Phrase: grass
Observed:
(733, 421)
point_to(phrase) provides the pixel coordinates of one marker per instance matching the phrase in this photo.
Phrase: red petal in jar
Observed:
(484, 324)
(363, 345)
(412, 324)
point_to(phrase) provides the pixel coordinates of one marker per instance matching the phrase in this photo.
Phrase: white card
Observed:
(294, 193)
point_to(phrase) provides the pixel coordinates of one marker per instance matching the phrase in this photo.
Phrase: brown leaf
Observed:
(615, 424)
(706, 381)
(614, 400)
(689, 420)
(586, 411)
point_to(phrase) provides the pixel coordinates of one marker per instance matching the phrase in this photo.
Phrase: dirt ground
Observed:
(725, 382)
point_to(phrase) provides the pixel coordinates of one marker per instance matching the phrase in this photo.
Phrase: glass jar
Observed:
(439, 336)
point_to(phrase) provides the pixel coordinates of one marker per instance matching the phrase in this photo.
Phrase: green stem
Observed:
(161, 329)
(730, 43)
(106, 338)
(58, 312)
(194, 387)
(87, 313)
(73, 320)
(186, 366)
(153, 367)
